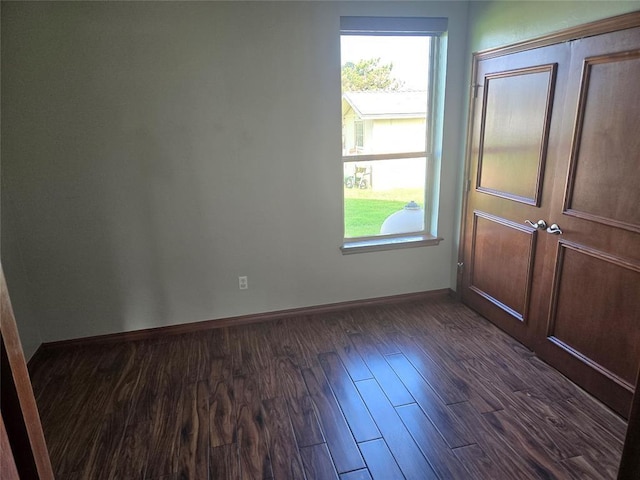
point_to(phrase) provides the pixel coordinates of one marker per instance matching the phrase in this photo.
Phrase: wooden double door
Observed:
(551, 246)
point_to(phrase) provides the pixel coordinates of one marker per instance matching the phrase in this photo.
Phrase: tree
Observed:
(368, 75)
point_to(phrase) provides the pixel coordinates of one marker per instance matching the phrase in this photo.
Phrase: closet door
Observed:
(592, 327)
(555, 136)
(518, 99)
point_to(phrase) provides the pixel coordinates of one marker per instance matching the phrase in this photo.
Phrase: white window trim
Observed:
(408, 26)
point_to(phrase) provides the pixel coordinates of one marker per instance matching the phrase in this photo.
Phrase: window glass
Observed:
(386, 99)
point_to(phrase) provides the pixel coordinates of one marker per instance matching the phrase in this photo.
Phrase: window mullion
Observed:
(383, 156)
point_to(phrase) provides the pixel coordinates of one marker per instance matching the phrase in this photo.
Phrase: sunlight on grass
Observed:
(365, 209)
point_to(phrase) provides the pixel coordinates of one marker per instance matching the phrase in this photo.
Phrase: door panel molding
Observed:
(609, 340)
(603, 201)
(525, 135)
(505, 275)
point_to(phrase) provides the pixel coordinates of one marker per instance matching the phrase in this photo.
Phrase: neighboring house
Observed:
(385, 122)
(377, 122)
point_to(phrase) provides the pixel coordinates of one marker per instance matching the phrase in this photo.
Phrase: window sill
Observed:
(378, 244)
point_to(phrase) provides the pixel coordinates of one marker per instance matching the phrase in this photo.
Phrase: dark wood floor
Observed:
(421, 390)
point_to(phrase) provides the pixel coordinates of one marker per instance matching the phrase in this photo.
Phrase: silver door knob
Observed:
(540, 224)
(554, 229)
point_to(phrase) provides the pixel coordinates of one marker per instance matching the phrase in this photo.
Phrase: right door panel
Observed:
(592, 330)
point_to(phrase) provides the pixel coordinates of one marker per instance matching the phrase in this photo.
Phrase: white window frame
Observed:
(407, 26)
(359, 135)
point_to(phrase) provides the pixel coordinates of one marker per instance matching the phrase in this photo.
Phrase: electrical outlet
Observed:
(243, 283)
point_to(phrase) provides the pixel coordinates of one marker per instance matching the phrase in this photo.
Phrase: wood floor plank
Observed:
(407, 454)
(509, 427)
(451, 429)
(285, 459)
(222, 412)
(581, 468)
(126, 376)
(198, 358)
(290, 382)
(449, 386)
(304, 420)
(431, 443)
(607, 454)
(164, 444)
(357, 416)
(193, 461)
(351, 359)
(362, 474)
(68, 448)
(486, 395)
(541, 422)
(251, 436)
(382, 372)
(104, 448)
(317, 462)
(599, 414)
(340, 442)
(479, 465)
(380, 461)
(157, 395)
(502, 457)
(500, 367)
(132, 461)
(224, 462)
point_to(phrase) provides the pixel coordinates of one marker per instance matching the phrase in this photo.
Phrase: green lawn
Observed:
(366, 210)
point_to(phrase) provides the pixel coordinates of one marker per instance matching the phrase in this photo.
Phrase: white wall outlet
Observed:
(243, 283)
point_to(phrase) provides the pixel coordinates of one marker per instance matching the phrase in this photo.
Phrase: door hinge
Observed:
(468, 185)
(476, 86)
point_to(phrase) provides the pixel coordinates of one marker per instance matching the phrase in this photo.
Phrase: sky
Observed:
(409, 55)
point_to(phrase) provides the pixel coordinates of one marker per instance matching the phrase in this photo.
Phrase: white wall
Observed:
(153, 152)
(498, 23)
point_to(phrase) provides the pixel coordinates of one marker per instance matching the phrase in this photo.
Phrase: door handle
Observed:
(554, 229)
(540, 224)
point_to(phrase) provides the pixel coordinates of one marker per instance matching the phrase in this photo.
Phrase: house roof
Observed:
(372, 105)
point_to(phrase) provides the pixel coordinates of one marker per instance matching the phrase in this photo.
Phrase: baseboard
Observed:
(157, 332)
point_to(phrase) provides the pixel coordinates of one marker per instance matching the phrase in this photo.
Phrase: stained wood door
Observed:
(513, 145)
(591, 327)
(555, 137)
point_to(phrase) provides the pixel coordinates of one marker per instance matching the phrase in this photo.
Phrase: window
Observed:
(390, 79)
(359, 131)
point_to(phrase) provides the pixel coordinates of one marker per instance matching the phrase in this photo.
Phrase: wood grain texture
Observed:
(383, 373)
(340, 442)
(379, 460)
(20, 415)
(431, 443)
(453, 431)
(285, 458)
(357, 416)
(407, 454)
(152, 410)
(317, 462)
(251, 432)
(8, 469)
